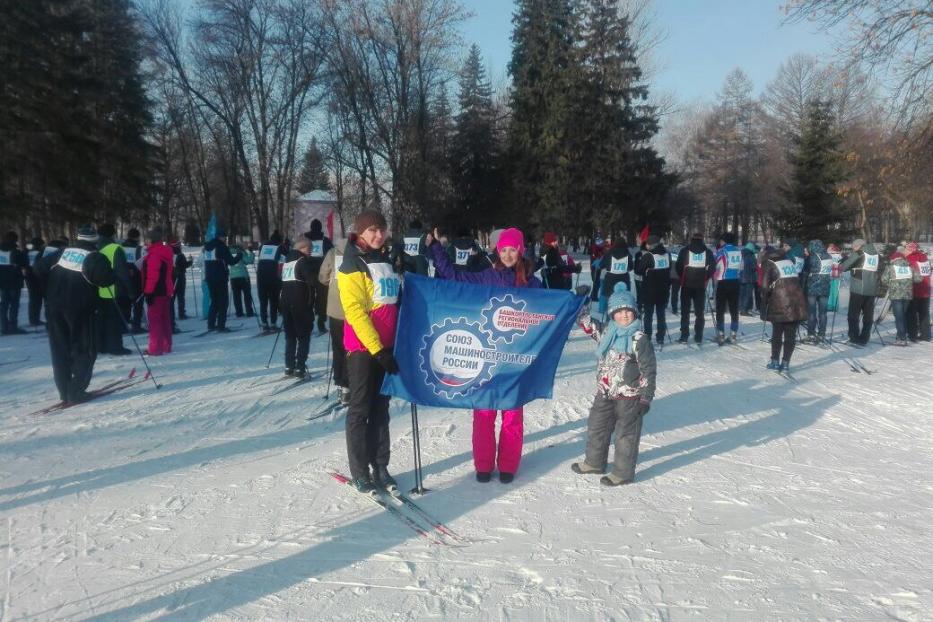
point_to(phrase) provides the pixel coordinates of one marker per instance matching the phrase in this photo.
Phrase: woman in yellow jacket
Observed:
(369, 290)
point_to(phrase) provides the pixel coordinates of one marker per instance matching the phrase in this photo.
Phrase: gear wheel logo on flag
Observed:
(457, 357)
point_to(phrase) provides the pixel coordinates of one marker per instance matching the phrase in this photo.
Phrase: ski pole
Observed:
(832, 326)
(416, 446)
(275, 343)
(133, 338)
(330, 372)
(197, 307)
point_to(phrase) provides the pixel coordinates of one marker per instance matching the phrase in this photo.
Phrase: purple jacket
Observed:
(490, 276)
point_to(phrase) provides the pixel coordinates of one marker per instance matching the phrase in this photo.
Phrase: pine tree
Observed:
(541, 69)
(814, 208)
(474, 150)
(313, 174)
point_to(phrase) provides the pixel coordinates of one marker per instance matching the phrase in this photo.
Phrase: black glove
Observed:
(643, 407)
(384, 357)
(149, 299)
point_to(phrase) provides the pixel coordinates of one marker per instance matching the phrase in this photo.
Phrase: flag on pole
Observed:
(463, 345)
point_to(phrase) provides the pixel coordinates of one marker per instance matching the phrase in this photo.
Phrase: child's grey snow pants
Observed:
(621, 417)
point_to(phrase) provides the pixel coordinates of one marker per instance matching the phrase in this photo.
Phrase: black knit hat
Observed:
(369, 218)
(87, 233)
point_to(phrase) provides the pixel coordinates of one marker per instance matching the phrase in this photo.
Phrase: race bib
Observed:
(696, 260)
(288, 271)
(130, 252)
(73, 259)
(462, 257)
(924, 267)
(661, 262)
(901, 272)
(33, 256)
(618, 266)
(563, 257)
(871, 263)
(267, 252)
(209, 256)
(733, 260)
(317, 248)
(386, 283)
(837, 257)
(826, 266)
(786, 268)
(798, 264)
(411, 245)
(5, 258)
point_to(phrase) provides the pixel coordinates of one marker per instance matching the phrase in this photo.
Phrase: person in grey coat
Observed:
(818, 267)
(625, 387)
(866, 268)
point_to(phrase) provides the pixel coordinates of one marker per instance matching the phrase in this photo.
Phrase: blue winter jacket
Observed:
(727, 270)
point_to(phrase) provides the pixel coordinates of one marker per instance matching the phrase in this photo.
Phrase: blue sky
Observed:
(704, 40)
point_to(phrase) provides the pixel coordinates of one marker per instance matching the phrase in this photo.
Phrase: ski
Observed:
(297, 383)
(787, 376)
(232, 329)
(266, 333)
(391, 509)
(107, 389)
(327, 409)
(438, 525)
(16, 362)
(263, 383)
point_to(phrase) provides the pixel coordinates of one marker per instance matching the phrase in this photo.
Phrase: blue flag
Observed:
(478, 346)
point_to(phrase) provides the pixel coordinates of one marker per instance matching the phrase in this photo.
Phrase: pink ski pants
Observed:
(160, 326)
(510, 440)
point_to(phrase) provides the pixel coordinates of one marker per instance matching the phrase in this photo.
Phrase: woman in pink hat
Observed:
(509, 270)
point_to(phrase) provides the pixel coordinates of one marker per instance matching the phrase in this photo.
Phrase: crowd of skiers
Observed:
(94, 290)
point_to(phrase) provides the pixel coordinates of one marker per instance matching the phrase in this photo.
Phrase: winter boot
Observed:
(773, 364)
(613, 480)
(506, 478)
(382, 478)
(289, 371)
(483, 476)
(720, 338)
(684, 338)
(734, 338)
(582, 468)
(300, 372)
(784, 367)
(364, 484)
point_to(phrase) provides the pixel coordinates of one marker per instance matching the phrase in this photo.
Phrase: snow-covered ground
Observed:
(756, 498)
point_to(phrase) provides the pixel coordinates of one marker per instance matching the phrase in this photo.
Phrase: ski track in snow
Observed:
(756, 498)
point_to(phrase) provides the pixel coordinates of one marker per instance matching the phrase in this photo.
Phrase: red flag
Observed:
(644, 234)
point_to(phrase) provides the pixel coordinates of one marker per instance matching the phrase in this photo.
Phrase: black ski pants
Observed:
(918, 319)
(9, 309)
(269, 291)
(339, 354)
(675, 294)
(652, 307)
(367, 415)
(696, 298)
(783, 334)
(727, 294)
(320, 305)
(220, 299)
(36, 295)
(110, 327)
(297, 324)
(861, 307)
(180, 284)
(72, 343)
(242, 296)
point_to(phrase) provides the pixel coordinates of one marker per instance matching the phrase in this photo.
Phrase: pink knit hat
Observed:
(511, 237)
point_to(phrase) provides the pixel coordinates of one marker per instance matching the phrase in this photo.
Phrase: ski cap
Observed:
(621, 298)
(511, 237)
(87, 233)
(550, 238)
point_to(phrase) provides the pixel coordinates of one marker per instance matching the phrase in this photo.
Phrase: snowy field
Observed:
(756, 498)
